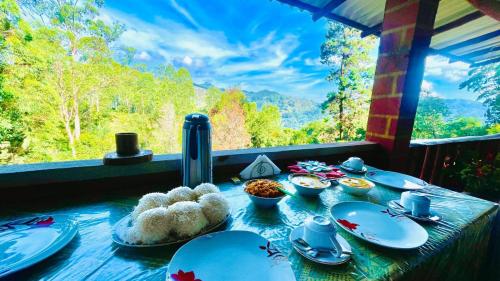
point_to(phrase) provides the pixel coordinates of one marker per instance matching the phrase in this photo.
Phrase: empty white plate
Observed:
(26, 241)
(396, 180)
(230, 255)
(379, 225)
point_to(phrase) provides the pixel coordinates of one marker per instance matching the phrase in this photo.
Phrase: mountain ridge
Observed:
(296, 112)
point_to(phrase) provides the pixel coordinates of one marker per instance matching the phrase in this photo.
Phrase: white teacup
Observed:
(354, 163)
(417, 203)
(320, 232)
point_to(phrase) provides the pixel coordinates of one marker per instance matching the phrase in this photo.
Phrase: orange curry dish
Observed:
(264, 188)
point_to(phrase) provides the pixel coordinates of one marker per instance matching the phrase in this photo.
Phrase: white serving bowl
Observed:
(354, 190)
(307, 190)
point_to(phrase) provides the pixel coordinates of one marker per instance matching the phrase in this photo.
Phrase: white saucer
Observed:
(393, 204)
(322, 258)
(351, 170)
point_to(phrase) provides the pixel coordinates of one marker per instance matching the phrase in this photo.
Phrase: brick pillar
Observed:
(405, 38)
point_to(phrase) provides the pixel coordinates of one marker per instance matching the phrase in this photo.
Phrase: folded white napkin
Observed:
(261, 167)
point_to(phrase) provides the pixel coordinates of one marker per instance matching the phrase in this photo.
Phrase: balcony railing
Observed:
(432, 160)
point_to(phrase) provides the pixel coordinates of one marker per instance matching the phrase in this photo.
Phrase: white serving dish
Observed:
(379, 225)
(396, 180)
(230, 255)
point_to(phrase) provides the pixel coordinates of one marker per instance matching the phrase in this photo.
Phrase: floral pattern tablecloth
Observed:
(455, 253)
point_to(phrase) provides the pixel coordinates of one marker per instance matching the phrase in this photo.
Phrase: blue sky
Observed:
(254, 45)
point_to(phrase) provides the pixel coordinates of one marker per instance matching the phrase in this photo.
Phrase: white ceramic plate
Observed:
(125, 223)
(396, 180)
(379, 225)
(321, 258)
(230, 255)
(26, 241)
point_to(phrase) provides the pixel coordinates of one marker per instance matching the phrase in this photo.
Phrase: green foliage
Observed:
(482, 176)
(351, 72)
(66, 88)
(430, 118)
(466, 126)
(485, 81)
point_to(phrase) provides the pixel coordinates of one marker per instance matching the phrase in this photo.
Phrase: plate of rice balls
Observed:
(161, 219)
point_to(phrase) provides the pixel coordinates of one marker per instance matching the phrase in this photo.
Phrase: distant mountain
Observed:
(295, 112)
(465, 108)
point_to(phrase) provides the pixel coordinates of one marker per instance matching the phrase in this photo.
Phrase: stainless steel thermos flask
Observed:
(196, 150)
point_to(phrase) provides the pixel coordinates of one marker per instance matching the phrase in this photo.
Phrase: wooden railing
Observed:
(437, 161)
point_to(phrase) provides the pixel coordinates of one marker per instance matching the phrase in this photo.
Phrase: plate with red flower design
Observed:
(26, 241)
(379, 225)
(229, 255)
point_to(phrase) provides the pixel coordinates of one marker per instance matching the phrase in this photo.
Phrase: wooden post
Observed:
(406, 35)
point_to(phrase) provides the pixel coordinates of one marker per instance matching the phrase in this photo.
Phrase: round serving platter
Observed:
(379, 225)
(396, 180)
(26, 241)
(230, 255)
(125, 223)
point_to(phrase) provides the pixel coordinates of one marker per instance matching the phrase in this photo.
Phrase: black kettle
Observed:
(196, 150)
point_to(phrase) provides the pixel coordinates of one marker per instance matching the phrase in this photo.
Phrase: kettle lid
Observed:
(196, 118)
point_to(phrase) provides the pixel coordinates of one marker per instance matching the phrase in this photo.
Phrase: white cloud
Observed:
(144, 56)
(439, 67)
(184, 12)
(312, 62)
(187, 60)
(427, 90)
(264, 63)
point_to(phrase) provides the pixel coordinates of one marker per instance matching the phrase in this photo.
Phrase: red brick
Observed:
(390, 42)
(404, 16)
(400, 83)
(387, 144)
(393, 127)
(376, 125)
(389, 4)
(392, 63)
(382, 86)
(408, 39)
(385, 106)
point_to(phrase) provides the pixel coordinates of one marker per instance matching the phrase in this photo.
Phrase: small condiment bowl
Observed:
(308, 190)
(263, 202)
(355, 190)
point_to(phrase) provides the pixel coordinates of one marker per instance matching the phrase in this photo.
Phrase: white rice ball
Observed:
(214, 206)
(205, 188)
(152, 225)
(149, 201)
(187, 218)
(179, 194)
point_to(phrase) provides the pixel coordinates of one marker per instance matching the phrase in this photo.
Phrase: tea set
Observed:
(318, 240)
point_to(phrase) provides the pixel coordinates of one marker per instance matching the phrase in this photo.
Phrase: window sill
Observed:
(92, 170)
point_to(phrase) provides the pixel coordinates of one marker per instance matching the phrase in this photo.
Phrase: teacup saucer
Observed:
(432, 217)
(351, 170)
(322, 258)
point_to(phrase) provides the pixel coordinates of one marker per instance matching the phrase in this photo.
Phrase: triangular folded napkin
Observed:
(261, 167)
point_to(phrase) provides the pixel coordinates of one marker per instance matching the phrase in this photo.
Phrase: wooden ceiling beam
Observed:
(486, 62)
(471, 41)
(313, 10)
(327, 9)
(458, 22)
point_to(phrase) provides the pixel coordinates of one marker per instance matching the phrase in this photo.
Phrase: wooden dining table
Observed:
(459, 249)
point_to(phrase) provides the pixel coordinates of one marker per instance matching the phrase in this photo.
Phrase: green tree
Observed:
(485, 81)
(265, 125)
(430, 118)
(351, 72)
(465, 126)
(228, 122)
